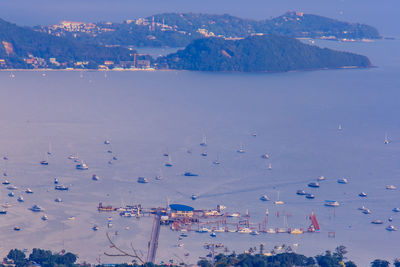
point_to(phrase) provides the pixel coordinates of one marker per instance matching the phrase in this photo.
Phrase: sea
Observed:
(144, 114)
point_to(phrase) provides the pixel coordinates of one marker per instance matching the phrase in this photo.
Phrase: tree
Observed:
(18, 257)
(350, 264)
(379, 263)
(396, 262)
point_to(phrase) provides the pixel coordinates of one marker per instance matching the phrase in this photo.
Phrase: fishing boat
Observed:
(265, 156)
(82, 166)
(377, 222)
(301, 192)
(36, 208)
(190, 174)
(29, 191)
(142, 180)
(391, 187)
(331, 203)
(391, 228)
(396, 210)
(264, 198)
(55, 180)
(310, 196)
(11, 194)
(61, 187)
(3, 212)
(314, 185)
(12, 187)
(362, 194)
(6, 182)
(45, 217)
(342, 181)
(95, 177)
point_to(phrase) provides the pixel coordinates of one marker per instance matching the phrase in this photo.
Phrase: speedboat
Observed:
(95, 177)
(310, 196)
(235, 214)
(301, 192)
(377, 222)
(396, 210)
(331, 203)
(391, 228)
(20, 199)
(342, 181)
(29, 191)
(142, 180)
(313, 184)
(82, 166)
(362, 194)
(6, 182)
(391, 187)
(279, 202)
(36, 208)
(190, 174)
(61, 187)
(264, 198)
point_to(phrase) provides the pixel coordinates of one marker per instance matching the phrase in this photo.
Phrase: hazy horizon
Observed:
(380, 14)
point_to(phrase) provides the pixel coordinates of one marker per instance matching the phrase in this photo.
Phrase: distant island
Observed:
(264, 53)
(213, 43)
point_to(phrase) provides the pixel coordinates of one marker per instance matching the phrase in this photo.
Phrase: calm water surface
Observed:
(144, 114)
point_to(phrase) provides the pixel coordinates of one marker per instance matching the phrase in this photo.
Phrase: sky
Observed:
(379, 13)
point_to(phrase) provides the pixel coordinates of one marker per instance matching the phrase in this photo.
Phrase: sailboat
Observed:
(277, 201)
(160, 176)
(217, 162)
(49, 151)
(340, 127)
(269, 166)
(169, 162)
(46, 161)
(241, 149)
(204, 141)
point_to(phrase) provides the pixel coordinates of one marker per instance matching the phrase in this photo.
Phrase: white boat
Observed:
(296, 231)
(264, 198)
(331, 203)
(71, 218)
(314, 185)
(366, 211)
(244, 230)
(321, 178)
(203, 230)
(278, 201)
(107, 142)
(82, 166)
(377, 222)
(254, 134)
(391, 228)
(241, 149)
(271, 231)
(340, 127)
(36, 208)
(142, 180)
(234, 215)
(254, 232)
(301, 192)
(342, 181)
(391, 187)
(269, 166)
(219, 230)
